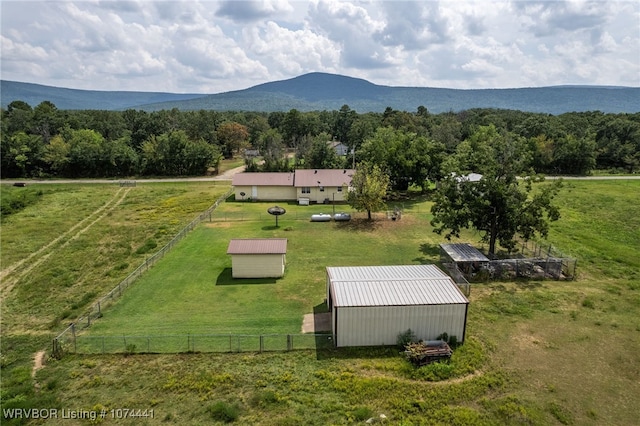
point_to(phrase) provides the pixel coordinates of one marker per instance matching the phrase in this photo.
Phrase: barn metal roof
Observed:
(463, 252)
(377, 273)
(433, 291)
(258, 246)
(401, 285)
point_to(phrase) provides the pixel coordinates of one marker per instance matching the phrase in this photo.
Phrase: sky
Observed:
(219, 46)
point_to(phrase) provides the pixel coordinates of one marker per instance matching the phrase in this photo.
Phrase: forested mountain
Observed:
(34, 94)
(321, 91)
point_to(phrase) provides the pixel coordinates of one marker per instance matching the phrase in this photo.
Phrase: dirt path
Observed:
(45, 252)
(38, 362)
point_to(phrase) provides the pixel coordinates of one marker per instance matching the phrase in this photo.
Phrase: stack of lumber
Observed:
(423, 353)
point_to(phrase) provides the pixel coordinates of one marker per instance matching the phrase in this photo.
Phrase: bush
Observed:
(405, 338)
(362, 414)
(224, 412)
(264, 398)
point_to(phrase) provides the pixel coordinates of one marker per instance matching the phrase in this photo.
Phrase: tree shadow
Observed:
(359, 225)
(431, 253)
(226, 278)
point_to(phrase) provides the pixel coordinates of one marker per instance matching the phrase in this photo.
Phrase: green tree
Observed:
(369, 187)
(272, 150)
(56, 155)
(502, 205)
(343, 122)
(174, 154)
(322, 155)
(406, 157)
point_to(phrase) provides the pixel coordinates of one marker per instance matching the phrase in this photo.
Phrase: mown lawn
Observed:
(191, 290)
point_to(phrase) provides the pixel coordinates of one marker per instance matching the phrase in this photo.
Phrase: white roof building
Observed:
(372, 305)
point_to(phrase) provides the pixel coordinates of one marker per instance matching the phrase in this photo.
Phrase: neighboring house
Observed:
(304, 186)
(251, 153)
(471, 177)
(340, 148)
(264, 186)
(372, 305)
(258, 257)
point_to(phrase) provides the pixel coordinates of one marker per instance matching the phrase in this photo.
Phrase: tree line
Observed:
(412, 147)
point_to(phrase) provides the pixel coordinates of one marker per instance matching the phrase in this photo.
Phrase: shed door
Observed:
(254, 192)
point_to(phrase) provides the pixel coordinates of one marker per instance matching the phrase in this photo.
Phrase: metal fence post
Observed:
(73, 332)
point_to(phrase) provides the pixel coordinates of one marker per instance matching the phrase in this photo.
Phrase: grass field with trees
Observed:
(537, 352)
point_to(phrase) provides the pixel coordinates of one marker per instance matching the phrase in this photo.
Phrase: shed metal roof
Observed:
(258, 246)
(398, 285)
(464, 252)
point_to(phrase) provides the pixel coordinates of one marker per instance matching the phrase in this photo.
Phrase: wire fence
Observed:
(300, 215)
(85, 344)
(96, 309)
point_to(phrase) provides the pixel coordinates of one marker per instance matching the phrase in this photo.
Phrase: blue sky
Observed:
(217, 46)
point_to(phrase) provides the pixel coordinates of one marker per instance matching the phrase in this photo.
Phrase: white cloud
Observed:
(213, 46)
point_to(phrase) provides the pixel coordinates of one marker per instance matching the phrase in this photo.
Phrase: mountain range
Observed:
(322, 91)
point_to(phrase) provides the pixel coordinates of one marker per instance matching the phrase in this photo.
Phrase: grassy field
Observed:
(542, 352)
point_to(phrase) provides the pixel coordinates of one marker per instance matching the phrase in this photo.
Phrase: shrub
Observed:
(405, 338)
(224, 412)
(362, 413)
(264, 398)
(148, 245)
(588, 303)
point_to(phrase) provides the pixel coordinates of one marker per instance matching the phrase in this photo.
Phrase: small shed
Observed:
(258, 257)
(466, 257)
(372, 305)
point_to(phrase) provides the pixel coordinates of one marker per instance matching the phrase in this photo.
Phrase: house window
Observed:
(322, 189)
(339, 189)
(306, 190)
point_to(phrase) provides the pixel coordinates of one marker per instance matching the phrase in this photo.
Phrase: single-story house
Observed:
(264, 186)
(304, 185)
(258, 257)
(372, 305)
(320, 185)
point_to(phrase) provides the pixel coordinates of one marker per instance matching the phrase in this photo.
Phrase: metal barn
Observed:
(258, 257)
(372, 305)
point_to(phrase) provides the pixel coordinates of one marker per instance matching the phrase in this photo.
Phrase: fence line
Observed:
(390, 215)
(96, 309)
(206, 343)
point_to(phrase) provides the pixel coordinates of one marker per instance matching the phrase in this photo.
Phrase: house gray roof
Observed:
(267, 178)
(400, 285)
(258, 246)
(463, 252)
